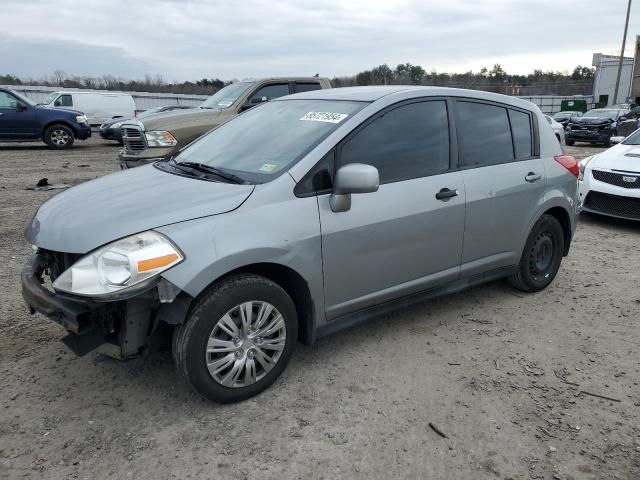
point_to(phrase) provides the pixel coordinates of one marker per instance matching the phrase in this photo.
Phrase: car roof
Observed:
(284, 79)
(373, 93)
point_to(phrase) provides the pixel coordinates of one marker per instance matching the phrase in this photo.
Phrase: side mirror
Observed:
(616, 140)
(257, 100)
(253, 102)
(20, 106)
(352, 178)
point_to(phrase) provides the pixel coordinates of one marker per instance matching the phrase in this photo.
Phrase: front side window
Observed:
(7, 100)
(266, 140)
(410, 141)
(484, 135)
(64, 101)
(269, 92)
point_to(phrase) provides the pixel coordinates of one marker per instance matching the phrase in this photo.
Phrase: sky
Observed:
(237, 39)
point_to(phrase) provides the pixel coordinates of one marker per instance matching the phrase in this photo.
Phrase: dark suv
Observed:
(22, 120)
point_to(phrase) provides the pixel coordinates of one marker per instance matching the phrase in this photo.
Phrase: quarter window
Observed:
(521, 130)
(483, 134)
(410, 141)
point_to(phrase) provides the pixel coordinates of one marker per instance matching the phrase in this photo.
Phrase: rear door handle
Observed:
(532, 177)
(445, 194)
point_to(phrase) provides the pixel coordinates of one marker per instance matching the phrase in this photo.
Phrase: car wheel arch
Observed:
(59, 122)
(291, 281)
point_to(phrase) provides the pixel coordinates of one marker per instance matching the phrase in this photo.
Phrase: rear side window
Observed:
(410, 141)
(522, 134)
(484, 135)
(305, 86)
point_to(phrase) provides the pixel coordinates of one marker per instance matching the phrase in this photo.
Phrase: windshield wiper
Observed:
(201, 167)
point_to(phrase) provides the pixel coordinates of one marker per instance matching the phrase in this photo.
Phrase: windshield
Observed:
(633, 139)
(266, 140)
(224, 98)
(26, 100)
(601, 113)
(50, 98)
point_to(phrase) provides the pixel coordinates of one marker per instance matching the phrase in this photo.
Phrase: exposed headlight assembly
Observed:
(82, 119)
(130, 264)
(160, 138)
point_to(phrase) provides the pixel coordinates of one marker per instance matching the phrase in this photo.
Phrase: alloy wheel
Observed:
(59, 137)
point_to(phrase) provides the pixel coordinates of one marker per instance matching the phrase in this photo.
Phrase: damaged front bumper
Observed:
(122, 329)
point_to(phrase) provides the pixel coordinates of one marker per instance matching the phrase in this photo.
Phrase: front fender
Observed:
(283, 232)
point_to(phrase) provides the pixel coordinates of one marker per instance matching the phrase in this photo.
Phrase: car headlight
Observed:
(82, 119)
(116, 125)
(582, 165)
(160, 138)
(568, 128)
(128, 264)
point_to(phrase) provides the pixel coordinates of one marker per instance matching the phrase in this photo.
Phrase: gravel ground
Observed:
(498, 372)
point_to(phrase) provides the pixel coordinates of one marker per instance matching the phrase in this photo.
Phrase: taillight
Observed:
(568, 162)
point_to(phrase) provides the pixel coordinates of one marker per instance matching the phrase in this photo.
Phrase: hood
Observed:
(618, 157)
(100, 211)
(185, 118)
(113, 121)
(592, 121)
(58, 109)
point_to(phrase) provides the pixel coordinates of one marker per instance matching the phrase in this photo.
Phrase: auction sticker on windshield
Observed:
(325, 117)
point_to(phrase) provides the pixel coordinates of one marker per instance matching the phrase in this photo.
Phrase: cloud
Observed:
(38, 57)
(193, 39)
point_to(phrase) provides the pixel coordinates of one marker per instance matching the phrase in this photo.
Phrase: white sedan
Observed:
(557, 127)
(610, 181)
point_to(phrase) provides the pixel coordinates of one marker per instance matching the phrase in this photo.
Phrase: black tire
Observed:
(569, 142)
(58, 136)
(541, 257)
(190, 339)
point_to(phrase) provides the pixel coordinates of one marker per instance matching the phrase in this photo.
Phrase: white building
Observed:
(604, 83)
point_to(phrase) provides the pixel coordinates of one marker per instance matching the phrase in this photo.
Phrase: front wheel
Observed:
(569, 142)
(58, 137)
(237, 339)
(541, 257)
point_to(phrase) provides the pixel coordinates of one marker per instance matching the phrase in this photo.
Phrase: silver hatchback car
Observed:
(299, 218)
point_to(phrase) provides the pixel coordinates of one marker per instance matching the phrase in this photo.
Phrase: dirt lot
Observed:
(500, 373)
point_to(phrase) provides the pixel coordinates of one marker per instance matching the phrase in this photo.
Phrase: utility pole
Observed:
(624, 41)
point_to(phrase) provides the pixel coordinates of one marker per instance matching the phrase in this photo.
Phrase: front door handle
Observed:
(445, 194)
(532, 177)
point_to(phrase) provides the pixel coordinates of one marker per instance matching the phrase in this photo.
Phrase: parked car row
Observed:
(599, 125)
(111, 129)
(298, 218)
(157, 137)
(22, 120)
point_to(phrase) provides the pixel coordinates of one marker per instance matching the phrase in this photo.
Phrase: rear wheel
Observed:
(238, 338)
(541, 257)
(58, 136)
